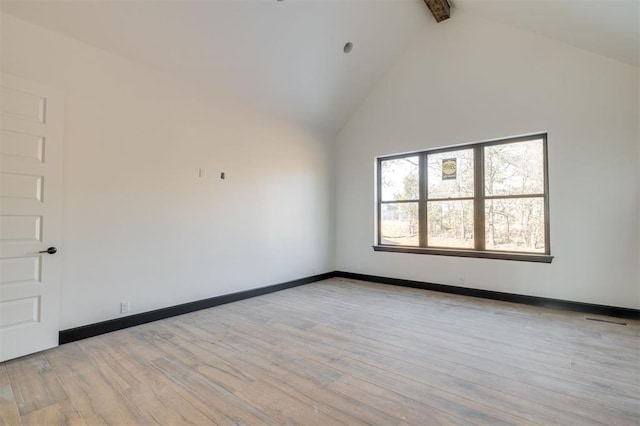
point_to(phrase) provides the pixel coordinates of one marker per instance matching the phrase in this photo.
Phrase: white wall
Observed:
(469, 80)
(138, 224)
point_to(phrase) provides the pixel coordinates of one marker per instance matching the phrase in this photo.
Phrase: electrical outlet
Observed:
(124, 307)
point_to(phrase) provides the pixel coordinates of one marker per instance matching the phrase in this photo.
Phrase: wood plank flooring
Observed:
(339, 352)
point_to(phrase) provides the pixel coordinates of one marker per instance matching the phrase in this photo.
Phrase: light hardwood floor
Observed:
(339, 352)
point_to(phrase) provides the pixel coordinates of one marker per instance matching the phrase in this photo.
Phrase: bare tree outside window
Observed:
(514, 170)
(450, 199)
(400, 182)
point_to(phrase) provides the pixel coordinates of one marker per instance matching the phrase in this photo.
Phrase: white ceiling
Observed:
(607, 27)
(286, 56)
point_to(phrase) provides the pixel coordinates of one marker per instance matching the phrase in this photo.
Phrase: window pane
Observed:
(450, 223)
(514, 168)
(515, 224)
(399, 179)
(399, 224)
(451, 174)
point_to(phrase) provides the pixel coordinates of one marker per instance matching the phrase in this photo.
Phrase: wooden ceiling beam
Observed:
(440, 9)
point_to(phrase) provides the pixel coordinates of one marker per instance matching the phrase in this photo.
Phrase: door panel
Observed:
(22, 145)
(21, 228)
(16, 270)
(19, 312)
(23, 104)
(16, 185)
(30, 216)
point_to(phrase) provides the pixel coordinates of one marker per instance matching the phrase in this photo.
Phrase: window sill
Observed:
(523, 257)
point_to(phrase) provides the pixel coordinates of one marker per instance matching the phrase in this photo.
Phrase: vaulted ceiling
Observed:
(287, 56)
(284, 56)
(607, 27)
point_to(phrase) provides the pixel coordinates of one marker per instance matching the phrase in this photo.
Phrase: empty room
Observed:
(320, 212)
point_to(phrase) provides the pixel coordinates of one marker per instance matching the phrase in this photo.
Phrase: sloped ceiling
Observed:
(287, 56)
(607, 27)
(283, 56)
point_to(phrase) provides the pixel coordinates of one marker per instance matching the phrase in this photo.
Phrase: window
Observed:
(487, 200)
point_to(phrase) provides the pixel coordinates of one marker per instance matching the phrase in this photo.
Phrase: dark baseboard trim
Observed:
(90, 330)
(588, 308)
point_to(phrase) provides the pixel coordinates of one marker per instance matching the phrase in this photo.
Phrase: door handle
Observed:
(50, 250)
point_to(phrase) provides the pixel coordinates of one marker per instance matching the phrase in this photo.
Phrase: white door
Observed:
(30, 216)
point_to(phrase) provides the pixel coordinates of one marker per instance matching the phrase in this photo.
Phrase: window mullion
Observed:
(478, 200)
(422, 205)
